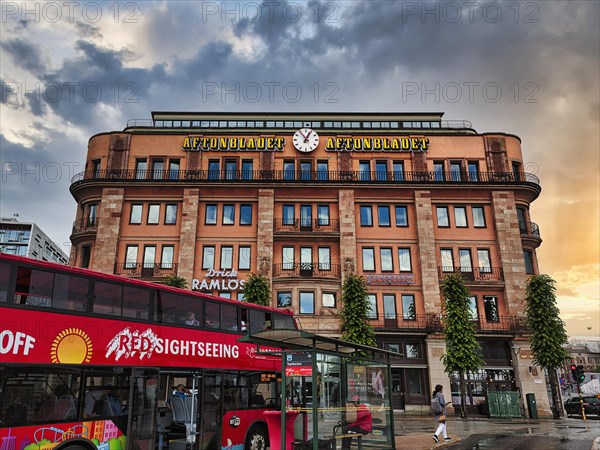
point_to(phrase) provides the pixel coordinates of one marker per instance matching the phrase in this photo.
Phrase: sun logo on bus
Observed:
(71, 346)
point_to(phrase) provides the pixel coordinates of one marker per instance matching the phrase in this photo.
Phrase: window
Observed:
(381, 170)
(322, 170)
(401, 216)
(413, 351)
(228, 214)
(324, 258)
(464, 255)
(131, 254)
(438, 170)
(247, 169)
(210, 215)
(225, 294)
(307, 302)
(306, 258)
(490, 305)
(149, 257)
(96, 168)
(208, 257)
(226, 257)
(366, 216)
(141, 167)
(230, 169)
(166, 259)
(528, 257)
(284, 299)
(92, 214)
(213, 169)
(472, 305)
(328, 299)
(478, 216)
(288, 214)
(288, 170)
(86, 254)
(244, 257)
(372, 301)
(389, 306)
(483, 259)
(383, 215)
(455, 169)
(473, 169)
(398, 167)
(442, 216)
(323, 215)
(245, 214)
(516, 168)
(306, 217)
(288, 258)
(173, 169)
(135, 217)
(404, 260)
(447, 260)
(460, 216)
(153, 214)
(158, 166)
(368, 257)
(305, 170)
(386, 260)
(409, 311)
(171, 214)
(364, 169)
(107, 298)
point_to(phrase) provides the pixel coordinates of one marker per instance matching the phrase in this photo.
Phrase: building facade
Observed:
(27, 239)
(306, 199)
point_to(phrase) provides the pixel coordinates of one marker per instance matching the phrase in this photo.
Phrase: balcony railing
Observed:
(300, 176)
(433, 323)
(154, 270)
(85, 224)
(529, 229)
(306, 225)
(307, 270)
(474, 274)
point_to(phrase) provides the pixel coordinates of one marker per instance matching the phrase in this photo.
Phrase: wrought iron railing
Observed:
(529, 228)
(433, 323)
(142, 270)
(306, 225)
(299, 176)
(308, 270)
(474, 273)
(85, 224)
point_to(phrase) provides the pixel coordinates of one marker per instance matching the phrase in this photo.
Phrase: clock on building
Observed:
(305, 140)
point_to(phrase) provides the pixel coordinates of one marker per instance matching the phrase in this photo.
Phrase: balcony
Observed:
(86, 226)
(411, 322)
(474, 274)
(301, 176)
(307, 270)
(530, 233)
(302, 225)
(140, 270)
(507, 324)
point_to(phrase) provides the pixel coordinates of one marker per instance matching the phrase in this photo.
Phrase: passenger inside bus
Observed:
(190, 319)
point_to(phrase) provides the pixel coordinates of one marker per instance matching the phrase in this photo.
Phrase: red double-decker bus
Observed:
(89, 360)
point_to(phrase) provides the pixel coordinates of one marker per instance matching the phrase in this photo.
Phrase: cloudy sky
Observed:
(531, 68)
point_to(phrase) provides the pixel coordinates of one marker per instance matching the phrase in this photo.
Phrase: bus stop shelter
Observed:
(327, 384)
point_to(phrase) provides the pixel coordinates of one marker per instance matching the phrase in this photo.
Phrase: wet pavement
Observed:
(415, 433)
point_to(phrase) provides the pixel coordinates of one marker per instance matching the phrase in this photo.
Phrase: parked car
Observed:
(591, 405)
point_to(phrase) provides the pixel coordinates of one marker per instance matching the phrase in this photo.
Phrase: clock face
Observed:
(305, 140)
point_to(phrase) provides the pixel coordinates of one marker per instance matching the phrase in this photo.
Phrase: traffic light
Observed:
(580, 374)
(574, 372)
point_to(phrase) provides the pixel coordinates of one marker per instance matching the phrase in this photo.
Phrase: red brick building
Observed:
(305, 199)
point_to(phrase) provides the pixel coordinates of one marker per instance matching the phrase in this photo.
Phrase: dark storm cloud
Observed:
(37, 107)
(26, 55)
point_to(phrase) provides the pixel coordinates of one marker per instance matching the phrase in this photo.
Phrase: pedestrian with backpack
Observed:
(438, 407)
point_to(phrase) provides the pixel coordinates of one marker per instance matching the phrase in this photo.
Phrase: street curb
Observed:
(596, 444)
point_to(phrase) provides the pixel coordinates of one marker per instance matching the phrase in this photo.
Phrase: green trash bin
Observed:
(531, 406)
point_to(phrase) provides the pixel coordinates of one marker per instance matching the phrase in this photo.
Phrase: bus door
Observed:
(210, 399)
(141, 427)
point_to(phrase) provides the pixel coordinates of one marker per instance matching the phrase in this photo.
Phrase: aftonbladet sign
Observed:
(44, 337)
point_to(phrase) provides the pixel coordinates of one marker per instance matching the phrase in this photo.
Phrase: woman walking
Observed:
(440, 413)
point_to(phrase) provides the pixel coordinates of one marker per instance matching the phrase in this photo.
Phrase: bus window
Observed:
(257, 321)
(173, 308)
(229, 318)
(211, 315)
(107, 298)
(136, 303)
(5, 270)
(70, 292)
(34, 287)
(283, 322)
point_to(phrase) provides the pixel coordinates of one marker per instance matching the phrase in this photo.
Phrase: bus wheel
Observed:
(257, 438)
(77, 446)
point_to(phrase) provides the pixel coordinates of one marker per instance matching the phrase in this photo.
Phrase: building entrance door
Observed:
(398, 389)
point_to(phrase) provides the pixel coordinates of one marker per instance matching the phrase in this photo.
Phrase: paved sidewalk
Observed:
(422, 441)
